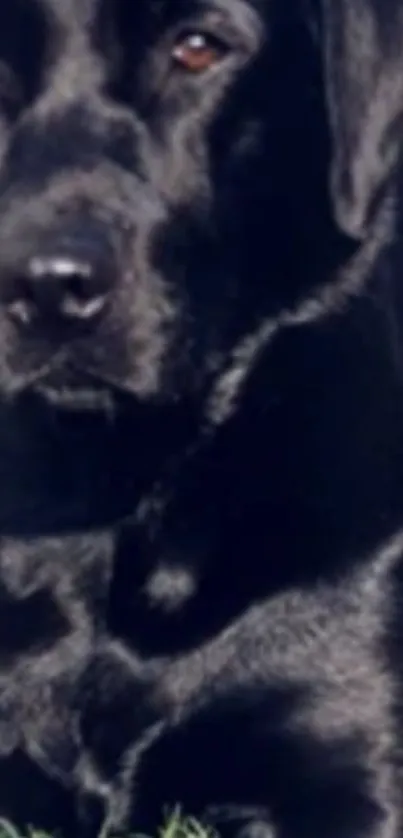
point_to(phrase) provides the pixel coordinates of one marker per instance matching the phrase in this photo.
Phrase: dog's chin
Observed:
(74, 455)
(77, 453)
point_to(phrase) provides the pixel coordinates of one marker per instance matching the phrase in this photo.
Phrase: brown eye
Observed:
(197, 52)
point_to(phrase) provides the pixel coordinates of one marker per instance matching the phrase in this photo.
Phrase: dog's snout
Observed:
(60, 285)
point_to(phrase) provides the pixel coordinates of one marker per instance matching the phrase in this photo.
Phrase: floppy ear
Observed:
(363, 52)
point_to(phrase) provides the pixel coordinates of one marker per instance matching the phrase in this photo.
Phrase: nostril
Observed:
(78, 303)
(83, 295)
(59, 287)
(78, 288)
(65, 276)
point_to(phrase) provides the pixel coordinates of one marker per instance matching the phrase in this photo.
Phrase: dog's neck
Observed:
(304, 465)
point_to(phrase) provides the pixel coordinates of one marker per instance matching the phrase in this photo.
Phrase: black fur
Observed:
(201, 416)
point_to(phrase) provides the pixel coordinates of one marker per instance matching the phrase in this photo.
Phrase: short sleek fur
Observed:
(201, 415)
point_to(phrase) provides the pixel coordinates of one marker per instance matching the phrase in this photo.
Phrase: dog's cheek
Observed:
(4, 140)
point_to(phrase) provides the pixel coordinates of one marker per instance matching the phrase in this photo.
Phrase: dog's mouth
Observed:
(69, 391)
(82, 399)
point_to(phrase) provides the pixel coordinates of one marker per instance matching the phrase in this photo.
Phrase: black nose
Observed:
(58, 286)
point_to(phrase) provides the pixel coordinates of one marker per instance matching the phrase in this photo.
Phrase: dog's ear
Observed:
(363, 61)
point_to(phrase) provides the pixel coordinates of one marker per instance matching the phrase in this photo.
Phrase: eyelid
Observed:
(210, 26)
(212, 40)
(243, 37)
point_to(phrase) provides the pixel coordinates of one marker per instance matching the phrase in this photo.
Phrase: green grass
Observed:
(179, 826)
(7, 830)
(176, 826)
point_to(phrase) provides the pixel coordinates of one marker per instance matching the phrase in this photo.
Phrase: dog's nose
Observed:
(60, 287)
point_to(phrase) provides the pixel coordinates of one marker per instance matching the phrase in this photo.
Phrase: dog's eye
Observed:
(197, 52)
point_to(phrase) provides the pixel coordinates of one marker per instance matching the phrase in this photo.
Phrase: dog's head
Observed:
(163, 187)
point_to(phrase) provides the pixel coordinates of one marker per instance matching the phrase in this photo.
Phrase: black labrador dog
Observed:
(201, 415)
